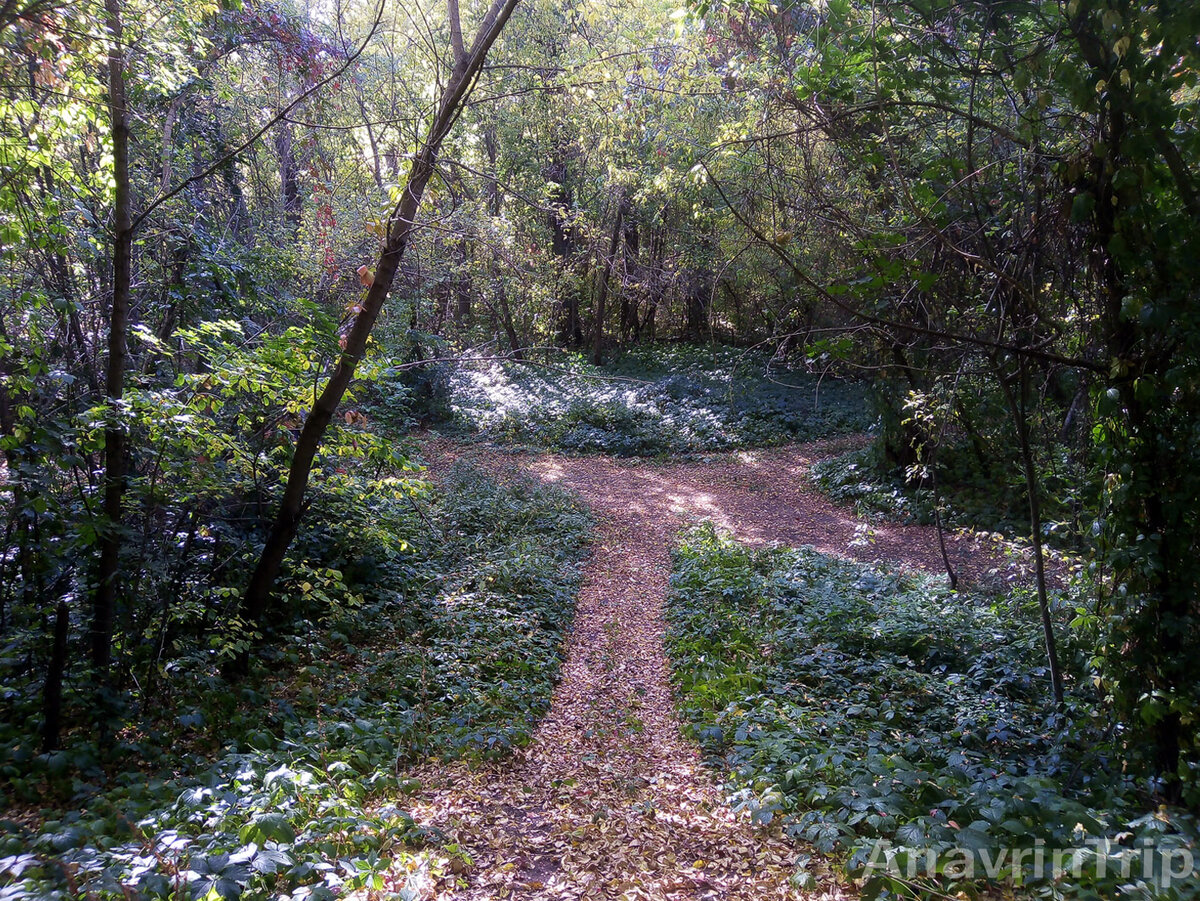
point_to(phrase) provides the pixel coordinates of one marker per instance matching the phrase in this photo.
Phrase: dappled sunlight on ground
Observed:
(610, 801)
(675, 401)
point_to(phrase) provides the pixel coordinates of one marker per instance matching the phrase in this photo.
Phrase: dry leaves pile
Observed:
(610, 801)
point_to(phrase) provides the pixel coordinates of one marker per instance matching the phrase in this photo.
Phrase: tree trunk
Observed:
(462, 285)
(699, 288)
(1021, 422)
(951, 575)
(104, 600)
(52, 692)
(507, 322)
(602, 288)
(63, 282)
(7, 419)
(289, 174)
(495, 200)
(403, 222)
(629, 301)
(657, 287)
(562, 242)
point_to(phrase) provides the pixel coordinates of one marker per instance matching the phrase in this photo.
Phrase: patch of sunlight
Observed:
(551, 471)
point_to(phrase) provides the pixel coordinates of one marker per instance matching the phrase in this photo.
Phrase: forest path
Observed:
(609, 801)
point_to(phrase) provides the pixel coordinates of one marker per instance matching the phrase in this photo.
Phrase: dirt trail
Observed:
(610, 801)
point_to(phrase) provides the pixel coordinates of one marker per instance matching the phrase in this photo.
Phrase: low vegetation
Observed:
(985, 496)
(444, 639)
(246, 245)
(658, 400)
(862, 707)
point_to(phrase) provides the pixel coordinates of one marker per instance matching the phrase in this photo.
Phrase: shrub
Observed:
(417, 630)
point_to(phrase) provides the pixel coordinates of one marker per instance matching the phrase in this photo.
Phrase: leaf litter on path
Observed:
(610, 801)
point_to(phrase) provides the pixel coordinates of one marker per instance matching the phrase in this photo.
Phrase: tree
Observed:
(118, 325)
(125, 226)
(1135, 194)
(402, 222)
(985, 165)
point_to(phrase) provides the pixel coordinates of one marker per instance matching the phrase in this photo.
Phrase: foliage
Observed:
(992, 500)
(989, 212)
(209, 445)
(863, 705)
(420, 630)
(657, 401)
(1136, 196)
(1015, 212)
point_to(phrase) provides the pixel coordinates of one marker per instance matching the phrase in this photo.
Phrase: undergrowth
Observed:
(972, 496)
(906, 729)
(433, 627)
(656, 401)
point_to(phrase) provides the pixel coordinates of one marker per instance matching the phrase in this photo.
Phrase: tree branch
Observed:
(824, 293)
(274, 120)
(456, 36)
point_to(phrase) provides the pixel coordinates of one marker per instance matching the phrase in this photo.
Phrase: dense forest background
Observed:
(250, 249)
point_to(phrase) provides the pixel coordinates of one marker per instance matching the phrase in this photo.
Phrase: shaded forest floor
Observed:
(609, 800)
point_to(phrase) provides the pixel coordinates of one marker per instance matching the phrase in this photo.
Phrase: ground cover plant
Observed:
(970, 495)
(658, 400)
(247, 245)
(443, 639)
(864, 706)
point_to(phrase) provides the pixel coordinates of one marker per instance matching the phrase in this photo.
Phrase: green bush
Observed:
(972, 497)
(421, 625)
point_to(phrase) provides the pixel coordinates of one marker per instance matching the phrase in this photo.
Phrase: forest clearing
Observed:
(614, 449)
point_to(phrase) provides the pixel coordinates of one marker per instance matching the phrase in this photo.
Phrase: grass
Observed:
(445, 642)
(862, 707)
(657, 401)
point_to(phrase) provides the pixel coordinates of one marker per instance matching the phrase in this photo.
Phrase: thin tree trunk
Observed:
(495, 200)
(292, 505)
(657, 284)
(462, 285)
(52, 693)
(289, 174)
(1020, 421)
(941, 532)
(291, 508)
(570, 333)
(6, 404)
(629, 301)
(104, 601)
(602, 288)
(506, 322)
(64, 284)
(972, 435)
(376, 163)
